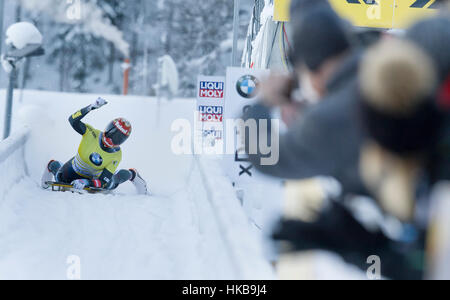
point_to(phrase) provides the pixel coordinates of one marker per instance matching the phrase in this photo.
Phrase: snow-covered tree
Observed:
(88, 40)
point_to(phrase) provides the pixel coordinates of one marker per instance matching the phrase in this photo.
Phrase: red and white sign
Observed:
(210, 109)
(212, 89)
(210, 113)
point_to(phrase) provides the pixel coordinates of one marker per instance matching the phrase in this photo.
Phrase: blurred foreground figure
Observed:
(401, 115)
(325, 140)
(433, 36)
(399, 111)
(279, 89)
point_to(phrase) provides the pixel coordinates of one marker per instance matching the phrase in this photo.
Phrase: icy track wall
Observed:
(217, 204)
(12, 161)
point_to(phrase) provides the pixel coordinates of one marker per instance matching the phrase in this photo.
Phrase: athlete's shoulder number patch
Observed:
(77, 115)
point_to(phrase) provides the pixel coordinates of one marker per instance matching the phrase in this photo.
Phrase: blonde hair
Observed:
(392, 179)
(396, 76)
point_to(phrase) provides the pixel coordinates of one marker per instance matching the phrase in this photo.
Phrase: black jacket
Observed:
(326, 140)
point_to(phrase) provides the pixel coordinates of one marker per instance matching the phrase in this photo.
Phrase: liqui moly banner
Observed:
(210, 112)
(211, 89)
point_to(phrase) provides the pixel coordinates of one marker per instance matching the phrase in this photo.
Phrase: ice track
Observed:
(190, 229)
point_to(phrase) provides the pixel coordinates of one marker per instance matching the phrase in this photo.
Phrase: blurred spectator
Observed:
(279, 88)
(399, 111)
(381, 133)
(300, 7)
(433, 36)
(325, 141)
(397, 107)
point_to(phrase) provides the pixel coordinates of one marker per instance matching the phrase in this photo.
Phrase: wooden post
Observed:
(126, 76)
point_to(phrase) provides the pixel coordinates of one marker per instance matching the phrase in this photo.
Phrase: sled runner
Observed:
(64, 187)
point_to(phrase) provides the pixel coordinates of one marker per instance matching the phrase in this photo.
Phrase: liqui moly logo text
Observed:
(210, 113)
(217, 134)
(211, 89)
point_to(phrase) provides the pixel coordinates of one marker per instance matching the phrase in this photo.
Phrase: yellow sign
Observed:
(384, 13)
(378, 14)
(281, 10)
(372, 13)
(408, 12)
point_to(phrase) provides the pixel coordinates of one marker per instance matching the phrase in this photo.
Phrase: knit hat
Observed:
(433, 36)
(319, 35)
(301, 7)
(397, 83)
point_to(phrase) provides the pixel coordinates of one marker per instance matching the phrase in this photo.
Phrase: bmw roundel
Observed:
(247, 86)
(96, 159)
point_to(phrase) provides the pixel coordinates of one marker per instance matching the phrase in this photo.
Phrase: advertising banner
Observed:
(388, 14)
(260, 195)
(242, 91)
(210, 112)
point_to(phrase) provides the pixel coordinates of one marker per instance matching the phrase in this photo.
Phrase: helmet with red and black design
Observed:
(117, 132)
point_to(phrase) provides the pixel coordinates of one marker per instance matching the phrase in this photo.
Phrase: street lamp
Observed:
(23, 40)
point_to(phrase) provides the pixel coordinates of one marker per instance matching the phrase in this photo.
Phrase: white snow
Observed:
(193, 228)
(22, 34)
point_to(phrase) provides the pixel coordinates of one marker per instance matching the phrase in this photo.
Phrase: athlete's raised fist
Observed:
(99, 103)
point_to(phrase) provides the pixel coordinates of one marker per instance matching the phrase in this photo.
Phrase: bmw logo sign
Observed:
(247, 86)
(96, 159)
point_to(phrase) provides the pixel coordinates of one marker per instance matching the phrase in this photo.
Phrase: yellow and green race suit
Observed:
(91, 160)
(94, 160)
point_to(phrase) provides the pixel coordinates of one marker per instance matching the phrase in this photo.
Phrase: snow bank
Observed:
(12, 162)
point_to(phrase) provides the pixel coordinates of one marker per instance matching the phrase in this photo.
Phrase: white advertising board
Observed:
(261, 195)
(241, 93)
